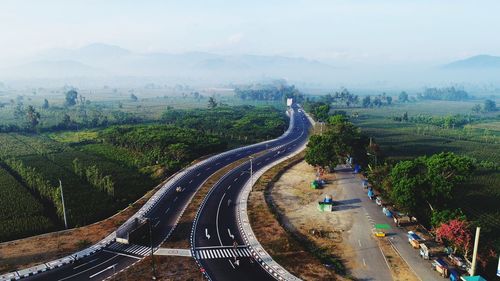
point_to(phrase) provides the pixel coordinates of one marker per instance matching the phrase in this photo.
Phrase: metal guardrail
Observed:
(257, 251)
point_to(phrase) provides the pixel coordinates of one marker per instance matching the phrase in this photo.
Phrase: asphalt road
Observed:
(215, 229)
(164, 217)
(368, 254)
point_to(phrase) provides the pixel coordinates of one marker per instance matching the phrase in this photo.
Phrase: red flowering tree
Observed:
(456, 233)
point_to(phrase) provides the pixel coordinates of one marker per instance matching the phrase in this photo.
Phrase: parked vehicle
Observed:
(401, 219)
(454, 275)
(430, 249)
(365, 184)
(371, 194)
(414, 239)
(387, 212)
(441, 267)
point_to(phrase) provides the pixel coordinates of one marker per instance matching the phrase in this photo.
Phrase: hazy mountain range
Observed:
(102, 61)
(476, 62)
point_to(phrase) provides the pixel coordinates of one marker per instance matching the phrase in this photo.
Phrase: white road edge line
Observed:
(217, 218)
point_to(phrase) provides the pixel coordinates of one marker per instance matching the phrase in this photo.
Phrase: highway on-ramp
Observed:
(163, 215)
(216, 240)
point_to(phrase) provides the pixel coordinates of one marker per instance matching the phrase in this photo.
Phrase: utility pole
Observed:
(64, 208)
(474, 255)
(151, 245)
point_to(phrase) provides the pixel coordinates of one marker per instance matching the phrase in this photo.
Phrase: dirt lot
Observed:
(168, 268)
(399, 268)
(298, 202)
(285, 247)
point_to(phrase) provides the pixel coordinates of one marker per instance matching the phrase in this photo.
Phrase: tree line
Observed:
(93, 176)
(269, 92)
(38, 183)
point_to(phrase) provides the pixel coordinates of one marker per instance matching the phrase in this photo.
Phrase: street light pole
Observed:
(151, 244)
(251, 171)
(64, 208)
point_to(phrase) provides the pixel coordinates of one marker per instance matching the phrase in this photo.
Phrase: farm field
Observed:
(20, 213)
(130, 159)
(478, 197)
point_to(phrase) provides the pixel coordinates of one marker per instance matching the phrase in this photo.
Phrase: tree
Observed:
(340, 140)
(476, 108)
(389, 100)
(456, 233)
(489, 106)
(133, 97)
(71, 98)
(405, 117)
(366, 102)
(33, 117)
(428, 180)
(212, 103)
(403, 97)
(439, 217)
(45, 104)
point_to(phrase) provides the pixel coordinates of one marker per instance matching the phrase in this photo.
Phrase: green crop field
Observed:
(479, 196)
(21, 214)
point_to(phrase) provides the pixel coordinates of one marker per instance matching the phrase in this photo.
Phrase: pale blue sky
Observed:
(396, 31)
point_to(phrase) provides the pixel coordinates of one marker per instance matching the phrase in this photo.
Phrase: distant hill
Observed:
(475, 62)
(102, 59)
(52, 69)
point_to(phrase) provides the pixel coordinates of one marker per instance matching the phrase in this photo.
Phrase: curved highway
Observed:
(216, 241)
(165, 213)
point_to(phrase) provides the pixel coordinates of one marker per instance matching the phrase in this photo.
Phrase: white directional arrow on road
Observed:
(206, 233)
(230, 235)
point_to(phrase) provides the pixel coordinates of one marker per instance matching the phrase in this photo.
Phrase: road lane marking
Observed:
(88, 269)
(76, 267)
(228, 187)
(198, 174)
(235, 179)
(364, 262)
(217, 218)
(107, 268)
(166, 211)
(190, 181)
(175, 199)
(230, 235)
(359, 242)
(156, 224)
(206, 234)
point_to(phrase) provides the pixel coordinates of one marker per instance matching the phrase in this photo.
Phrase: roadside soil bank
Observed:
(168, 268)
(280, 236)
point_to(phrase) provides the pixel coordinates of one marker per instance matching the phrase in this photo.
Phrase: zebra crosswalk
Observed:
(130, 249)
(220, 253)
